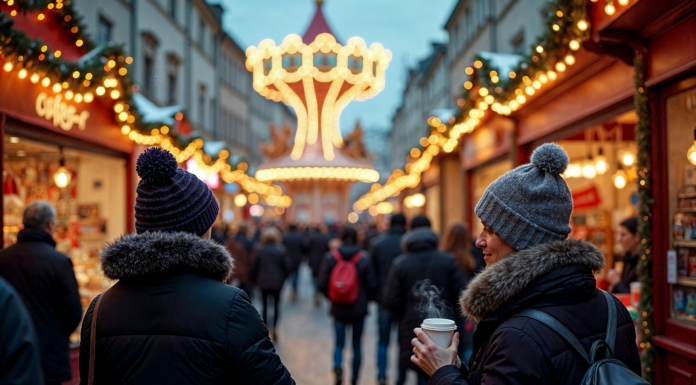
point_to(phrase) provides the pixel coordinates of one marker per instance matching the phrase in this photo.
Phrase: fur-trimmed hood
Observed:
(141, 255)
(496, 285)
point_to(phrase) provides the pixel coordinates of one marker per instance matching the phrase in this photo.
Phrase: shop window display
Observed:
(598, 156)
(681, 122)
(90, 209)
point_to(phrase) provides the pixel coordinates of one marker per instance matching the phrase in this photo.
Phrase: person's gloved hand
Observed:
(429, 356)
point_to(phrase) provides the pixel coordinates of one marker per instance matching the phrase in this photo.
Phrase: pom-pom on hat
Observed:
(170, 198)
(530, 205)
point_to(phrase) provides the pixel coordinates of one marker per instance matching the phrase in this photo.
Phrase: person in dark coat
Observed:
(269, 272)
(420, 261)
(295, 243)
(370, 234)
(352, 315)
(629, 239)
(317, 247)
(170, 318)
(19, 347)
(384, 250)
(241, 247)
(45, 280)
(530, 265)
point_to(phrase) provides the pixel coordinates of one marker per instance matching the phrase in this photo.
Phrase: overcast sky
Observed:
(406, 27)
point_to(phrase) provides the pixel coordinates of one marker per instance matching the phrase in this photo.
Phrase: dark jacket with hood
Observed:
(421, 260)
(317, 247)
(384, 250)
(19, 348)
(368, 283)
(45, 280)
(171, 320)
(270, 267)
(554, 278)
(629, 274)
(294, 242)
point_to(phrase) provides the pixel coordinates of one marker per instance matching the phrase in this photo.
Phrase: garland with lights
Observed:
(645, 265)
(103, 72)
(487, 89)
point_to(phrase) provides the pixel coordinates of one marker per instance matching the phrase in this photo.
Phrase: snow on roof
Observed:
(151, 113)
(502, 61)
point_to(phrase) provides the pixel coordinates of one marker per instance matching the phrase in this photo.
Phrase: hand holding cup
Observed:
(430, 356)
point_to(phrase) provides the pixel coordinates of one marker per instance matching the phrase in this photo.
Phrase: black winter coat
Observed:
(384, 250)
(629, 274)
(171, 320)
(270, 267)
(554, 278)
(368, 283)
(295, 243)
(45, 280)
(19, 348)
(317, 247)
(421, 260)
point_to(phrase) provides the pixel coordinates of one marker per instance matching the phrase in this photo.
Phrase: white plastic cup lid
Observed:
(438, 324)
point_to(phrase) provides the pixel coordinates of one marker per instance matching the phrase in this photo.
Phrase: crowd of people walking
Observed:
(181, 310)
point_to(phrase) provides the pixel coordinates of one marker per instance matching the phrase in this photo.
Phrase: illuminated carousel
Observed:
(318, 80)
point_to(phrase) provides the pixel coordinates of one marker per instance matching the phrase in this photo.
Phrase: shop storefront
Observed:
(70, 151)
(666, 71)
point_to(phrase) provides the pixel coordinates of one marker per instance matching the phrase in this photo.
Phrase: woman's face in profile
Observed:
(494, 249)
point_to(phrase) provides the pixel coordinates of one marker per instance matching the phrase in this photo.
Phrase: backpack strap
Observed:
(93, 340)
(611, 323)
(357, 257)
(559, 328)
(337, 256)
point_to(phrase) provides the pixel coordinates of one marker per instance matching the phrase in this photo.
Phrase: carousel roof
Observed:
(318, 25)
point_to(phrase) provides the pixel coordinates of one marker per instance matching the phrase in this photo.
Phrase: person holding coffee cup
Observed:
(530, 264)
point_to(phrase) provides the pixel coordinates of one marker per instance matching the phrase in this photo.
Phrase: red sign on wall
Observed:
(586, 198)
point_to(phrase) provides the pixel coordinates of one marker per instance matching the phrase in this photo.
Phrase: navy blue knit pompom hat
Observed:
(170, 198)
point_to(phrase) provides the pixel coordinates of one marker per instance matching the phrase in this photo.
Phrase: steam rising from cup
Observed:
(430, 305)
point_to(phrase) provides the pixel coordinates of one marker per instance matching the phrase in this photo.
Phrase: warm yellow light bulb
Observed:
(609, 9)
(620, 179)
(34, 78)
(691, 154)
(89, 97)
(574, 45)
(57, 87)
(560, 67)
(22, 73)
(583, 25)
(100, 90)
(69, 95)
(627, 159)
(8, 67)
(623, 2)
(601, 165)
(570, 60)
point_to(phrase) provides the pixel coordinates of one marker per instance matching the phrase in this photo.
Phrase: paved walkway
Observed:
(306, 340)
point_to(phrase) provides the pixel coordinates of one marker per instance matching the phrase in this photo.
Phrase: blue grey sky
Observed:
(406, 27)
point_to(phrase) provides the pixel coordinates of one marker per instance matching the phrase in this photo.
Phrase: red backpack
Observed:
(344, 285)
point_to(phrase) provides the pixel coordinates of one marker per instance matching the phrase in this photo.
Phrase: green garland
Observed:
(561, 24)
(645, 266)
(27, 53)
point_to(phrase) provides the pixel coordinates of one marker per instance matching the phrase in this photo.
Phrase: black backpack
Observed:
(603, 368)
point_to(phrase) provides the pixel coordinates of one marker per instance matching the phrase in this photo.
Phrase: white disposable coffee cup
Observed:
(439, 330)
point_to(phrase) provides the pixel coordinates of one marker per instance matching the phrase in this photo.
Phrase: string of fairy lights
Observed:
(103, 73)
(488, 92)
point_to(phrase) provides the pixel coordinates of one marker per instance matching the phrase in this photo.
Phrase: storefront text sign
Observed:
(586, 198)
(63, 115)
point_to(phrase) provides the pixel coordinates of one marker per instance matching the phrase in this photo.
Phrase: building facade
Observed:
(182, 56)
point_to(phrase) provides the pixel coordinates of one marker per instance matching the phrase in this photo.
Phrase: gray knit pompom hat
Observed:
(530, 205)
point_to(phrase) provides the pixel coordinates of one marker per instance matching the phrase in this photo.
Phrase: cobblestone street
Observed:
(306, 340)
